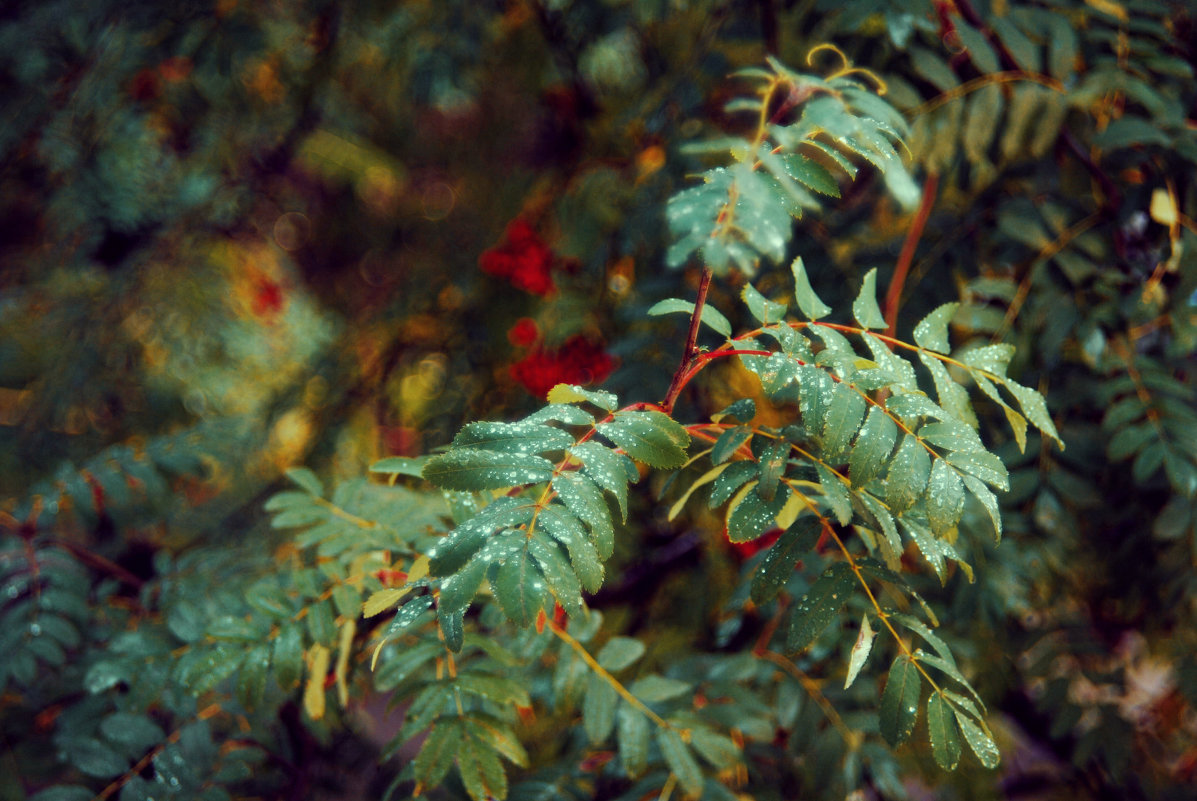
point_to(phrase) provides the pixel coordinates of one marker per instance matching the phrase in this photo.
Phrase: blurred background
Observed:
(238, 236)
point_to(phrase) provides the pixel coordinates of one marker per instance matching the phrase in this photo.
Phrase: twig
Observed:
(675, 386)
(893, 295)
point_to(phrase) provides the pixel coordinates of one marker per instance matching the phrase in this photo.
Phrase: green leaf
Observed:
(711, 316)
(598, 709)
(818, 607)
(514, 583)
(633, 735)
(948, 668)
(653, 689)
(932, 331)
(583, 556)
(773, 466)
(720, 751)
(835, 492)
(468, 469)
(811, 174)
(1035, 408)
(729, 442)
(984, 465)
(953, 398)
(585, 500)
(908, 474)
(400, 466)
(610, 470)
(842, 421)
(498, 736)
(730, 480)
(517, 438)
(619, 652)
(865, 308)
(251, 680)
(979, 739)
(496, 689)
(136, 732)
(988, 500)
(860, 651)
(408, 613)
(680, 761)
(816, 390)
(752, 516)
(571, 393)
(900, 701)
(557, 573)
(458, 590)
(945, 498)
(873, 446)
(452, 628)
(761, 307)
(779, 560)
(480, 769)
(977, 47)
(288, 656)
(306, 479)
(943, 732)
(457, 547)
(808, 302)
(648, 436)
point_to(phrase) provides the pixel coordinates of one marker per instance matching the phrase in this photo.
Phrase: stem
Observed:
(893, 296)
(675, 386)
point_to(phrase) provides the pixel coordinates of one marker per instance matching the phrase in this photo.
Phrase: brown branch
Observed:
(893, 295)
(688, 356)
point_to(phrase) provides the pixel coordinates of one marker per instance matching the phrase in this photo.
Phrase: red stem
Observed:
(893, 296)
(680, 375)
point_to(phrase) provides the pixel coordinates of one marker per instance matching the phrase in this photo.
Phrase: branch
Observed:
(893, 295)
(688, 356)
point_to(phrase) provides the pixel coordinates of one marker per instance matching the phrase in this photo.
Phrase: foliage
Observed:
(802, 541)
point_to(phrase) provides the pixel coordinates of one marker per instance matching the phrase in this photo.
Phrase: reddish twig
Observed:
(679, 376)
(893, 295)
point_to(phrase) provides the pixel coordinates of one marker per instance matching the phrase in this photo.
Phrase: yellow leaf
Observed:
(313, 691)
(382, 600)
(1163, 207)
(345, 648)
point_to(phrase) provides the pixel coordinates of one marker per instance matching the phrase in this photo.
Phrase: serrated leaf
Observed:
(779, 560)
(306, 479)
(763, 309)
(400, 466)
(648, 436)
(557, 573)
(610, 470)
(988, 500)
(835, 492)
(752, 516)
(900, 701)
(711, 317)
(908, 474)
(773, 466)
(978, 739)
(819, 606)
(680, 761)
(514, 583)
(468, 469)
(452, 626)
(945, 498)
(437, 753)
(720, 751)
(499, 737)
(480, 769)
(953, 398)
(943, 732)
(619, 652)
(598, 709)
(572, 393)
(313, 691)
(380, 601)
(808, 302)
(653, 688)
(458, 590)
(983, 465)
(633, 736)
(860, 651)
(288, 656)
(1035, 408)
(842, 421)
(816, 391)
(865, 309)
(947, 667)
(932, 331)
(517, 438)
(729, 442)
(730, 480)
(585, 500)
(583, 556)
(873, 447)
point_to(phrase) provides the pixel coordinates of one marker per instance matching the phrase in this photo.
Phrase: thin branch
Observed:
(688, 356)
(893, 295)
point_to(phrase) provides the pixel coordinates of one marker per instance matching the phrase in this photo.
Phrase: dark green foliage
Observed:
(239, 239)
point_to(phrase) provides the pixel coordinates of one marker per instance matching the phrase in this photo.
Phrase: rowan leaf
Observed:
(711, 317)
(819, 606)
(779, 561)
(680, 761)
(860, 651)
(808, 302)
(648, 436)
(908, 473)
(900, 701)
(469, 469)
(943, 732)
(865, 309)
(932, 331)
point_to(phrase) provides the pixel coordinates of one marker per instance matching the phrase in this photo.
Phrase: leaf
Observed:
(619, 652)
(953, 398)
(761, 307)
(1035, 408)
(835, 492)
(408, 614)
(380, 601)
(942, 732)
(720, 751)
(815, 395)
(818, 607)
(288, 656)
(571, 393)
(842, 421)
(648, 436)
(517, 438)
(730, 480)
(808, 302)
(977, 47)
(557, 573)
(64, 792)
(773, 467)
(584, 499)
(136, 732)
(499, 737)
(400, 466)
(467, 469)
(481, 771)
(873, 446)
(452, 552)
(633, 736)
(860, 651)
(610, 470)
(984, 465)
(437, 753)
(908, 474)
(865, 308)
(452, 626)
(988, 500)
(680, 761)
(729, 442)
(752, 516)
(945, 498)
(313, 691)
(583, 555)
(653, 688)
(598, 709)
(979, 739)
(711, 316)
(932, 331)
(306, 479)
(900, 701)
(515, 586)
